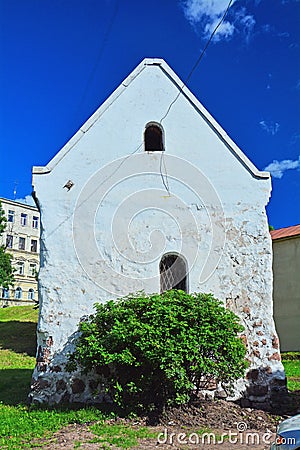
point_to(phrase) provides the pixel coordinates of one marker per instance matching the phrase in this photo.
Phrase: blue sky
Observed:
(60, 59)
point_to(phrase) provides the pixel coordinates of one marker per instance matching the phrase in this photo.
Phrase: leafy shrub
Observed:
(160, 349)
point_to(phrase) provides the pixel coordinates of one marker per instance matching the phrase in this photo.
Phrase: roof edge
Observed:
(245, 161)
(290, 232)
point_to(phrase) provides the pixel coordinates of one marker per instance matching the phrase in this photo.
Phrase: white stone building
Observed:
(151, 193)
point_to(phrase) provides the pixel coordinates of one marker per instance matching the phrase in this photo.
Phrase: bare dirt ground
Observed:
(228, 426)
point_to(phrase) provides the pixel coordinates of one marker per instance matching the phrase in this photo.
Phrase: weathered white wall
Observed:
(105, 236)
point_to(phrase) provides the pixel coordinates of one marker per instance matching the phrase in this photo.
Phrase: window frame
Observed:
(34, 245)
(11, 214)
(182, 267)
(9, 241)
(21, 268)
(35, 222)
(18, 293)
(32, 269)
(23, 219)
(22, 239)
(5, 293)
(30, 294)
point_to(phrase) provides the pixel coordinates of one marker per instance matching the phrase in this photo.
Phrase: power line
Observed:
(99, 56)
(164, 176)
(198, 60)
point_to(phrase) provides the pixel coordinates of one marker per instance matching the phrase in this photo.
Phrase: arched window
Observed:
(173, 273)
(5, 293)
(30, 294)
(153, 138)
(18, 293)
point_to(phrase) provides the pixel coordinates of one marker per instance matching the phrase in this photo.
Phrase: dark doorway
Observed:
(153, 138)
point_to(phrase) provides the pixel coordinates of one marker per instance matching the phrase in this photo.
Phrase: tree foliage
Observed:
(162, 348)
(6, 270)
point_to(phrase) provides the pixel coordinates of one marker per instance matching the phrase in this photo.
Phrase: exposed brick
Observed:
(49, 341)
(244, 339)
(246, 310)
(78, 386)
(252, 374)
(275, 342)
(65, 398)
(93, 384)
(275, 357)
(40, 384)
(279, 382)
(245, 403)
(61, 385)
(269, 370)
(258, 390)
(255, 343)
(264, 341)
(256, 353)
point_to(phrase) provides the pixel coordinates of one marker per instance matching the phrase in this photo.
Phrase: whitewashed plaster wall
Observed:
(105, 236)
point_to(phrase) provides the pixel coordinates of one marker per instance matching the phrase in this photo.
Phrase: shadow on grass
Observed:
(19, 337)
(14, 385)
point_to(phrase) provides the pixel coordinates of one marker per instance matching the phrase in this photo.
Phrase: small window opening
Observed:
(153, 138)
(172, 273)
(18, 293)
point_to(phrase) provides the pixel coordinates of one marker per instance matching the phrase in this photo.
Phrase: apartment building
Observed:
(22, 240)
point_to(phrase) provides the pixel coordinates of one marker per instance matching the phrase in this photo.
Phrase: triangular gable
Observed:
(232, 147)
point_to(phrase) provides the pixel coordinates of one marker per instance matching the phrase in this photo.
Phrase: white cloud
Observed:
(269, 126)
(248, 23)
(284, 34)
(27, 200)
(204, 15)
(277, 168)
(225, 30)
(195, 10)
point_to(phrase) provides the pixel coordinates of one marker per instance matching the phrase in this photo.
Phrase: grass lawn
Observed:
(17, 352)
(291, 362)
(20, 424)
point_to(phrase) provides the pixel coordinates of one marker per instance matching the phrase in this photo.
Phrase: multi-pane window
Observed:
(23, 219)
(172, 273)
(20, 268)
(5, 293)
(32, 270)
(35, 222)
(30, 295)
(9, 241)
(11, 215)
(21, 243)
(18, 293)
(33, 246)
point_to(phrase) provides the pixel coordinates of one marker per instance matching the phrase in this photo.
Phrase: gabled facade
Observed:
(150, 194)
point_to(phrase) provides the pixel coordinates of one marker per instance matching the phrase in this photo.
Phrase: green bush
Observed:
(160, 349)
